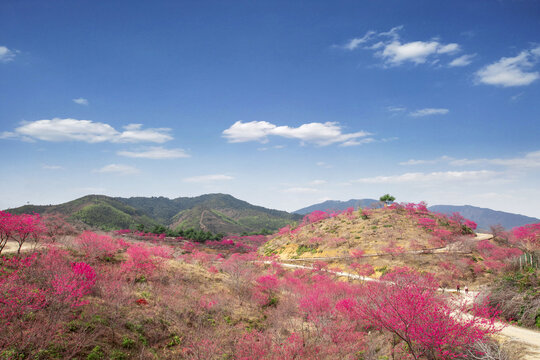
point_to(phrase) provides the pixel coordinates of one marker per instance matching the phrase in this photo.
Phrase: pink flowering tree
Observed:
(266, 289)
(27, 227)
(74, 284)
(6, 228)
(97, 246)
(18, 296)
(528, 236)
(56, 227)
(407, 305)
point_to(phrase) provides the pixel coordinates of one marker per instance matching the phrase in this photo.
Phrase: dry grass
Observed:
(382, 229)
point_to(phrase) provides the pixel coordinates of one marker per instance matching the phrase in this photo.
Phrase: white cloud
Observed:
(249, 131)
(8, 135)
(273, 147)
(388, 46)
(396, 53)
(156, 152)
(321, 134)
(208, 178)
(355, 142)
(434, 177)
(58, 130)
(463, 60)
(395, 109)
(511, 71)
(425, 162)
(529, 160)
(448, 48)
(52, 167)
(300, 190)
(428, 112)
(517, 96)
(318, 182)
(354, 43)
(393, 33)
(390, 139)
(133, 133)
(6, 55)
(118, 169)
(324, 165)
(81, 101)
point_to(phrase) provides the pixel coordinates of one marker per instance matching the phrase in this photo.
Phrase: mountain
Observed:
(217, 213)
(98, 211)
(486, 217)
(334, 205)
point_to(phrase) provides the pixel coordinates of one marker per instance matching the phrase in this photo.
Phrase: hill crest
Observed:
(217, 213)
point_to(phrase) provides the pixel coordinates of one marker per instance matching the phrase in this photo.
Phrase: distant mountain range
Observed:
(484, 217)
(222, 213)
(481, 216)
(217, 213)
(336, 205)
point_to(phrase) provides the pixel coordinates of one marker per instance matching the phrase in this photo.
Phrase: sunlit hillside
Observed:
(398, 235)
(133, 295)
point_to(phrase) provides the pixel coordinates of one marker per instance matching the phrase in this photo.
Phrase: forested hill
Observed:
(217, 213)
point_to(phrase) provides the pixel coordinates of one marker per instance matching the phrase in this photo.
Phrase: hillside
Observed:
(113, 298)
(97, 211)
(486, 217)
(221, 213)
(336, 205)
(217, 213)
(390, 237)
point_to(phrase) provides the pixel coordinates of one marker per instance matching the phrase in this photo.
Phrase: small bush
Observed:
(127, 342)
(304, 249)
(119, 355)
(95, 354)
(175, 340)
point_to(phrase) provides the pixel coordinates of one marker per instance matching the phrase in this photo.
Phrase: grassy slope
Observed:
(373, 236)
(370, 235)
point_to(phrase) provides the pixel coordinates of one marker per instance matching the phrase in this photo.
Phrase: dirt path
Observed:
(12, 246)
(529, 338)
(482, 236)
(201, 225)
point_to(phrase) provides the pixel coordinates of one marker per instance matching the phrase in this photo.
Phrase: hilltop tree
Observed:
(387, 199)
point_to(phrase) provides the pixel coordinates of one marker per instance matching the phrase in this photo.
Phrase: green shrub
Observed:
(95, 354)
(127, 342)
(304, 249)
(73, 325)
(175, 340)
(272, 302)
(119, 355)
(140, 279)
(11, 354)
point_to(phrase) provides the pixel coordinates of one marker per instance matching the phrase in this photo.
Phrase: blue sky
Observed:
(279, 103)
